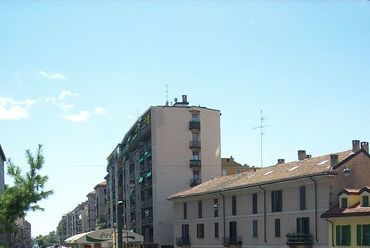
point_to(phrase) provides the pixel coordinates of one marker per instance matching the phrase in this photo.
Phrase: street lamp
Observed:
(119, 224)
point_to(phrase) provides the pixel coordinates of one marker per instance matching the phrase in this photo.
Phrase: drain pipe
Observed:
(315, 183)
(223, 216)
(332, 231)
(264, 213)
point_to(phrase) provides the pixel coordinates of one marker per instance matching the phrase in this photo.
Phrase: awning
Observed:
(104, 236)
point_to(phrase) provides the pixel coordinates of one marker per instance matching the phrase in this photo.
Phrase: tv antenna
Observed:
(166, 94)
(261, 127)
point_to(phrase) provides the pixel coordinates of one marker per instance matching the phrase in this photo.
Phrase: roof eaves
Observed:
(325, 173)
(350, 157)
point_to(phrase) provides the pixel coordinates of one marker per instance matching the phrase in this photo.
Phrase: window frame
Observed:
(233, 205)
(277, 228)
(200, 231)
(254, 203)
(276, 201)
(302, 198)
(200, 209)
(255, 228)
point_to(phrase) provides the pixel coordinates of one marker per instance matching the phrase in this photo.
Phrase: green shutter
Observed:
(358, 234)
(366, 234)
(346, 235)
(337, 235)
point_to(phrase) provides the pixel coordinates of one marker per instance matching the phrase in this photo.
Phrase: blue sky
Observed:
(74, 75)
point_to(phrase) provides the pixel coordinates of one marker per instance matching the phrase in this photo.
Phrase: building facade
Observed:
(276, 206)
(229, 167)
(22, 236)
(100, 205)
(2, 169)
(349, 220)
(168, 149)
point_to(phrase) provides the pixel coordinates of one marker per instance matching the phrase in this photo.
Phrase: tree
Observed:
(27, 191)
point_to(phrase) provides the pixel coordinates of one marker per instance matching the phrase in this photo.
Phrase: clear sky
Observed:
(75, 75)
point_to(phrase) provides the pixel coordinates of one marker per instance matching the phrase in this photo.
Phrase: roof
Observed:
(349, 191)
(356, 210)
(313, 166)
(102, 184)
(365, 188)
(2, 154)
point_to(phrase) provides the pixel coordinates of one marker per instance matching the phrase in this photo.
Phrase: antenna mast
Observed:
(260, 127)
(166, 94)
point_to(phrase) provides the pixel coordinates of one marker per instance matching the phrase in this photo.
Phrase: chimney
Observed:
(281, 161)
(301, 154)
(365, 146)
(333, 160)
(355, 145)
(185, 99)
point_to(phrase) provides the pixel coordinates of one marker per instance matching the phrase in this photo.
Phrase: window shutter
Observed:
(337, 235)
(359, 241)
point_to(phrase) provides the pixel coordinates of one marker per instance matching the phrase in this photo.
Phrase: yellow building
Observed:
(230, 167)
(349, 221)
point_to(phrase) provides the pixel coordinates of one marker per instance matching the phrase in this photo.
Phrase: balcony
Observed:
(194, 125)
(183, 241)
(195, 182)
(232, 241)
(299, 239)
(195, 163)
(194, 144)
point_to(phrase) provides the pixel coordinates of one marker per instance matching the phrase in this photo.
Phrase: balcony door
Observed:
(232, 232)
(185, 232)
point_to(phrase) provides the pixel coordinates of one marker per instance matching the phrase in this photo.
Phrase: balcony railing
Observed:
(194, 125)
(183, 241)
(299, 239)
(195, 163)
(195, 182)
(232, 241)
(194, 144)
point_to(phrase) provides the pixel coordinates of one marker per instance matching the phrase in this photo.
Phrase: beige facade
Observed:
(301, 192)
(169, 148)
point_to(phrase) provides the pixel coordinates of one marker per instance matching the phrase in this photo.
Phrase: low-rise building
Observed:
(275, 206)
(21, 238)
(349, 220)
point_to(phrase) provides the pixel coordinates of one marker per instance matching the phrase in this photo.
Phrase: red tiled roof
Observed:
(350, 191)
(356, 210)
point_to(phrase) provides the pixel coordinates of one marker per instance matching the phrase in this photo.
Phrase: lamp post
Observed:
(119, 224)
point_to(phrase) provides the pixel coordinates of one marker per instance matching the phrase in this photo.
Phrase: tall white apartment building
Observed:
(168, 149)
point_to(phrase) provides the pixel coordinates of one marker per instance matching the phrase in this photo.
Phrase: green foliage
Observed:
(48, 240)
(28, 189)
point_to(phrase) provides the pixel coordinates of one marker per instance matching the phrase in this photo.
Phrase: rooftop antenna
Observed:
(260, 127)
(166, 94)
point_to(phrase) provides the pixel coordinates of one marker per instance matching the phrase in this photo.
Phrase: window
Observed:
(303, 225)
(185, 232)
(255, 229)
(200, 212)
(344, 202)
(343, 235)
(302, 198)
(194, 117)
(254, 203)
(200, 231)
(216, 230)
(233, 204)
(276, 201)
(363, 235)
(277, 227)
(365, 201)
(215, 207)
(195, 155)
(224, 172)
(185, 210)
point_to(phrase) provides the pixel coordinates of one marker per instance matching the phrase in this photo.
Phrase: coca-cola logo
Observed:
(106, 235)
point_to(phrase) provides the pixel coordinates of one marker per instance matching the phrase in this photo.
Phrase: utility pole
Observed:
(260, 127)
